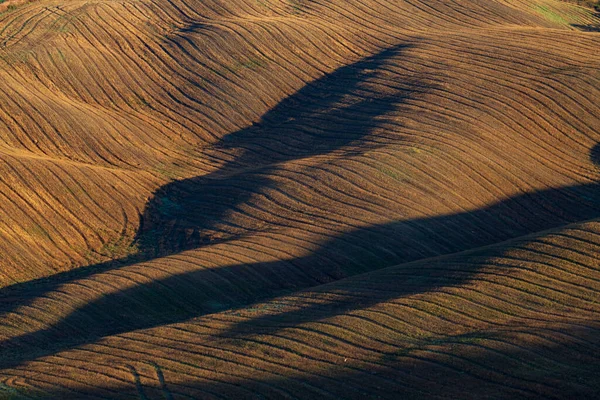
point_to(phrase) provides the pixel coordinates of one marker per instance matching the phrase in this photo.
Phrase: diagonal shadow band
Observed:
(181, 212)
(184, 211)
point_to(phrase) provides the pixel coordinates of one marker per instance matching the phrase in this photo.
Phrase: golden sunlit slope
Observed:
(516, 320)
(167, 160)
(149, 89)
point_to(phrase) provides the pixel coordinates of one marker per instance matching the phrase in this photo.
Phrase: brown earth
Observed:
(292, 199)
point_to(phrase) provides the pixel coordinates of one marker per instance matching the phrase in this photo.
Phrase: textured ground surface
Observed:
(299, 199)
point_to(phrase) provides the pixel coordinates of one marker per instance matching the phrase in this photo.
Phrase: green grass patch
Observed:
(11, 393)
(10, 8)
(550, 15)
(118, 250)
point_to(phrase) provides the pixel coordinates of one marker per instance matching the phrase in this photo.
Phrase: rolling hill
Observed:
(293, 198)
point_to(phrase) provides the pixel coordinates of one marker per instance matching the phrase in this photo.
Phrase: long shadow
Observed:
(191, 213)
(184, 211)
(182, 215)
(587, 28)
(590, 27)
(181, 297)
(547, 209)
(563, 368)
(436, 273)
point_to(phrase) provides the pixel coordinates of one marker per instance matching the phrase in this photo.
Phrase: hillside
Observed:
(290, 199)
(516, 320)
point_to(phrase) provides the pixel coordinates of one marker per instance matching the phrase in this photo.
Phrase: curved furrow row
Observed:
(63, 211)
(328, 340)
(171, 163)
